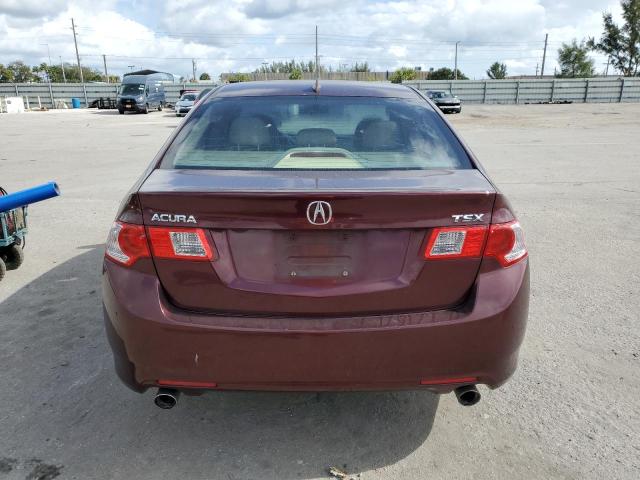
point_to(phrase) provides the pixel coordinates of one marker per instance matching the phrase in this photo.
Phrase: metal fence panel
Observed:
(575, 90)
(49, 95)
(600, 89)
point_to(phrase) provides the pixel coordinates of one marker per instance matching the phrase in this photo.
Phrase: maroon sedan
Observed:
(289, 237)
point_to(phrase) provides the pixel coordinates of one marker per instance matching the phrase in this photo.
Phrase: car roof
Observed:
(333, 88)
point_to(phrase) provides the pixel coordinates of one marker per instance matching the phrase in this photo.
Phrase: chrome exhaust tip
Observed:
(166, 398)
(467, 395)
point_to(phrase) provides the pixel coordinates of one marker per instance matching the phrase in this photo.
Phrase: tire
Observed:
(145, 110)
(121, 111)
(14, 256)
(3, 269)
(159, 107)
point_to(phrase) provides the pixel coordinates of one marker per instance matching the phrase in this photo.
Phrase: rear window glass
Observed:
(315, 133)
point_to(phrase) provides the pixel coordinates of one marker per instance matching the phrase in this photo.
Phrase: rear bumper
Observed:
(130, 105)
(151, 339)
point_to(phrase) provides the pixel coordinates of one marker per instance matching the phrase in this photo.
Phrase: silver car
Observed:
(446, 101)
(185, 103)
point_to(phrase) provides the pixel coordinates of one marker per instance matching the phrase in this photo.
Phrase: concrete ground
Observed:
(572, 172)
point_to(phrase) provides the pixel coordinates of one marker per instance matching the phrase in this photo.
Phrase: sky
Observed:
(239, 35)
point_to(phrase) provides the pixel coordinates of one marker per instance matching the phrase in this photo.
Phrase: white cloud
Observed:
(241, 34)
(31, 8)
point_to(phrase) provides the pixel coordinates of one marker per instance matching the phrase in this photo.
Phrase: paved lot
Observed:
(571, 411)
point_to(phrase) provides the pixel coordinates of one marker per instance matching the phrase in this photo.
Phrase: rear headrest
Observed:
(316, 137)
(375, 134)
(250, 132)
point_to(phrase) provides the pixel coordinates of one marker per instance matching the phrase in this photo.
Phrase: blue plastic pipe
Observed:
(28, 196)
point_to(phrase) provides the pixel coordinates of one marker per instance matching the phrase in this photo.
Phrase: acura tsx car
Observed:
(308, 237)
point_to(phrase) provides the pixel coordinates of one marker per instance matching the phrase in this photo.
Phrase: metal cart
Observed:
(13, 228)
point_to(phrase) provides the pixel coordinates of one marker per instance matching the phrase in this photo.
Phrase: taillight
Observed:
(126, 243)
(456, 242)
(180, 243)
(506, 243)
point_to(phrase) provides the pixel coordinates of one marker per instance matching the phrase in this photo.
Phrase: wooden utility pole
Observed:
(75, 41)
(544, 54)
(106, 73)
(193, 66)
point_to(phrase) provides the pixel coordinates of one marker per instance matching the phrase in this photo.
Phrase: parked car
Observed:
(142, 93)
(185, 103)
(446, 101)
(294, 238)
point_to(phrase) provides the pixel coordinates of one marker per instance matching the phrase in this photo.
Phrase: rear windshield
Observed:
(315, 133)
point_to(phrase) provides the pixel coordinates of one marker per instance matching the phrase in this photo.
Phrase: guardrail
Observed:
(575, 90)
(50, 95)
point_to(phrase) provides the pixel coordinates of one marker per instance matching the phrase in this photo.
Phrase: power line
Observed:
(310, 37)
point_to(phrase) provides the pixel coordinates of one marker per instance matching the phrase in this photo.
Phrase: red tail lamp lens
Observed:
(126, 243)
(456, 242)
(506, 243)
(180, 243)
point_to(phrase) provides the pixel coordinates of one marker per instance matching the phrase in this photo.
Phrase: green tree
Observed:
(71, 73)
(6, 74)
(54, 72)
(360, 67)
(445, 73)
(621, 44)
(497, 71)
(289, 67)
(296, 74)
(403, 74)
(205, 76)
(21, 73)
(238, 77)
(574, 60)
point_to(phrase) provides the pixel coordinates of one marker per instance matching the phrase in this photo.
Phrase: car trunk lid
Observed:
(271, 259)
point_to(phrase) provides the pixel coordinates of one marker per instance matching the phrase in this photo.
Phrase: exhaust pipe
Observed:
(166, 398)
(467, 395)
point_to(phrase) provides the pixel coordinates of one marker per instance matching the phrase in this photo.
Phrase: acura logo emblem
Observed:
(319, 213)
